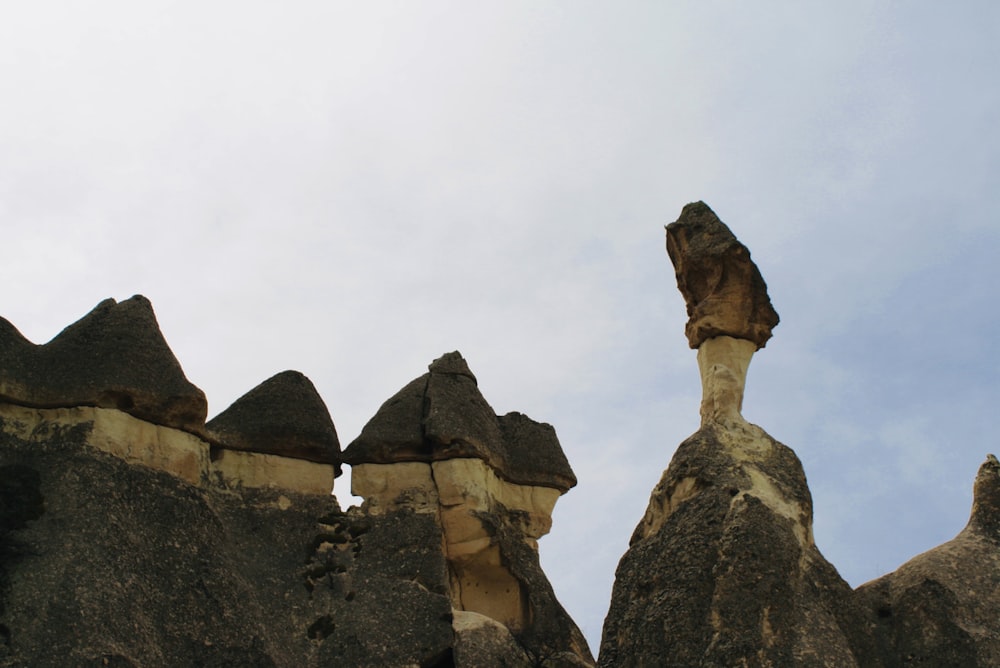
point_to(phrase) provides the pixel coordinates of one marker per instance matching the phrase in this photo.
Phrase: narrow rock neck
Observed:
(723, 362)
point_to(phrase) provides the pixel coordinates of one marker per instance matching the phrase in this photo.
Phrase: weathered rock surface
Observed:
(103, 562)
(942, 608)
(482, 641)
(283, 416)
(723, 570)
(437, 449)
(722, 287)
(129, 543)
(113, 357)
(443, 415)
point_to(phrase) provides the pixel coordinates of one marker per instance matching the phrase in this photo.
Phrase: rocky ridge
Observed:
(135, 533)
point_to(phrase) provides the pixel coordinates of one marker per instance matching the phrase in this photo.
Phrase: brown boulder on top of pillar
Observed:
(941, 607)
(722, 287)
(113, 357)
(283, 416)
(443, 415)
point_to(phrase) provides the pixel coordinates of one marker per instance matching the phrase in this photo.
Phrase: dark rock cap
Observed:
(722, 287)
(443, 415)
(284, 416)
(113, 357)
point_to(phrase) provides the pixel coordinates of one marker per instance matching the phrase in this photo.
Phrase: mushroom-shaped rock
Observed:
(724, 292)
(283, 416)
(437, 449)
(722, 569)
(443, 415)
(113, 357)
(942, 607)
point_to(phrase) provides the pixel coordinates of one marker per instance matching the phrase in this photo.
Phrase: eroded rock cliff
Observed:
(132, 533)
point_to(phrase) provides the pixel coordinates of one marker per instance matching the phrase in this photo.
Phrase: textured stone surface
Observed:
(942, 608)
(284, 416)
(443, 415)
(437, 450)
(482, 641)
(489, 530)
(722, 570)
(723, 363)
(135, 441)
(103, 562)
(724, 292)
(239, 468)
(114, 357)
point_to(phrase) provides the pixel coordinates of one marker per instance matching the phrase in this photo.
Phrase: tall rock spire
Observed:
(722, 569)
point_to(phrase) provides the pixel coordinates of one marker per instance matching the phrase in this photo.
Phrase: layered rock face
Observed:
(437, 449)
(132, 533)
(114, 357)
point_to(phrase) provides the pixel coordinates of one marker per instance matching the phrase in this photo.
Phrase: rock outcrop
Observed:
(723, 290)
(437, 449)
(723, 569)
(133, 534)
(942, 608)
(113, 357)
(282, 416)
(442, 415)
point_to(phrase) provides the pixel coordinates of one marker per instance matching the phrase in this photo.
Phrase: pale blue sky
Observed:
(352, 189)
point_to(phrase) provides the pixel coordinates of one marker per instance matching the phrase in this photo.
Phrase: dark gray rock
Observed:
(105, 563)
(722, 287)
(551, 638)
(443, 415)
(382, 585)
(284, 416)
(942, 608)
(113, 357)
(716, 576)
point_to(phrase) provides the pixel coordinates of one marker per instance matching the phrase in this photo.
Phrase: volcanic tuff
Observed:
(722, 570)
(132, 533)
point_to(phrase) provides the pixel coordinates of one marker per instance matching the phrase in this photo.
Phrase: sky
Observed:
(353, 189)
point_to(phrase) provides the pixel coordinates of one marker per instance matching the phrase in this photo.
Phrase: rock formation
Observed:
(437, 449)
(133, 534)
(113, 357)
(442, 415)
(723, 290)
(942, 608)
(279, 433)
(723, 571)
(283, 416)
